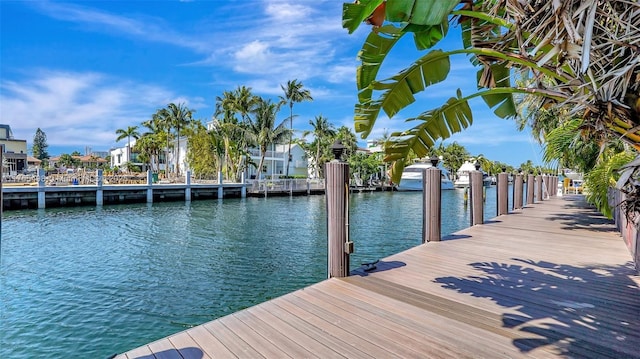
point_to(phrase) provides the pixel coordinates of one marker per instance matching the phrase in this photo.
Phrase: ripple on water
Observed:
(96, 281)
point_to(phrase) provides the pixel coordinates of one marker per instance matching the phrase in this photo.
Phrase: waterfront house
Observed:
(274, 165)
(120, 155)
(15, 151)
(275, 161)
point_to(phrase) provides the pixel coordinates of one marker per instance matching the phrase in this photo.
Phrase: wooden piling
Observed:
(539, 197)
(531, 185)
(431, 206)
(502, 195)
(477, 197)
(518, 184)
(337, 192)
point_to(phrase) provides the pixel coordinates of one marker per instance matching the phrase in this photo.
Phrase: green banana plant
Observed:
(500, 37)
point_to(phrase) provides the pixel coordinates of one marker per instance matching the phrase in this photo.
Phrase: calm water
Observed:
(91, 282)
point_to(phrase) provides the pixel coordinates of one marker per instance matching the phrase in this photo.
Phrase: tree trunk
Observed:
(260, 166)
(178, 151)
(290, 138)
(318, 161)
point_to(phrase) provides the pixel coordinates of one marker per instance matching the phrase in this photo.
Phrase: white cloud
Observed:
(277, 41)
(286, 11)
(253, 57)
(80, 108)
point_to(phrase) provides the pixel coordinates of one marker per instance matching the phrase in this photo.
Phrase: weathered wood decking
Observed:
(554, 279)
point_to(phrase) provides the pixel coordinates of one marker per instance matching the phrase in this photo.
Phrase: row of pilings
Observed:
(539, 188)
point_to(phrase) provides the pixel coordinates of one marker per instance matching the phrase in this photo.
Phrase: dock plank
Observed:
(551, 280)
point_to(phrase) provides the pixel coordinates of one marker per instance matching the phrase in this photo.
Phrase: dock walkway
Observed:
(552, 280)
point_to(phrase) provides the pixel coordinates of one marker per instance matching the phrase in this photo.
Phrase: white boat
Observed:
(411, 179)
(462, 174)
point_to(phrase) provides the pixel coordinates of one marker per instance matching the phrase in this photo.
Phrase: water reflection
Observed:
(94, 281)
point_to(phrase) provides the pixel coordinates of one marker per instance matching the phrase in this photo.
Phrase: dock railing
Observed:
(285, 185)
(628, 229)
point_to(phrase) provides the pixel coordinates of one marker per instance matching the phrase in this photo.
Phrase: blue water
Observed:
(91, 282)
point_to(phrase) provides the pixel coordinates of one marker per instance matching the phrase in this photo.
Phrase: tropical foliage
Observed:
(323, 133)
(577, 56)
(262, 131)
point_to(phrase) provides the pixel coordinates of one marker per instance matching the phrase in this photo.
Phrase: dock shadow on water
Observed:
(571, 310)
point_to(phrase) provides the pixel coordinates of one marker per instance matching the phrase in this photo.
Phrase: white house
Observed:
(274, 162)
(120, 156)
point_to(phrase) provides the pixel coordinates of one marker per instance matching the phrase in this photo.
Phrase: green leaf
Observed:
(399, 10)
(373, 52)
(431, 12)
(503, 103)
(353, 14)
(426, 36)
(437, 124)
(431, 68)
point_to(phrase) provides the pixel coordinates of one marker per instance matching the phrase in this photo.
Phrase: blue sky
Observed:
(82, 70)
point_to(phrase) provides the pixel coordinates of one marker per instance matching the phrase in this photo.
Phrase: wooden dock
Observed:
(552, 280)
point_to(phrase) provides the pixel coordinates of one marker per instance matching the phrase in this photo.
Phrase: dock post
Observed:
(477, 196)
(547, 185)
(539, 188)
(243, 190)
(337, 194)
(187, 188)
(149, 187)
(531, 184)
(431, 204)
(518, 184)
(502, 195)
(220, 189)
(41, 189)
(99, 191)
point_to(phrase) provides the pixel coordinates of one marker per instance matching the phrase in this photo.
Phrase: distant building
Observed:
(274, 162)
(120, 156)
(15, 151)
(373, 146)
(83, 161)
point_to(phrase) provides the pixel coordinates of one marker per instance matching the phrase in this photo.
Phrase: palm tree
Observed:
(232, 103)
(262, 131)
(149, 145)
(161, 122)
(293, 93)
(323, 131)
(131, 131)
(348, 140)
(453, 156)
(178, 116)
